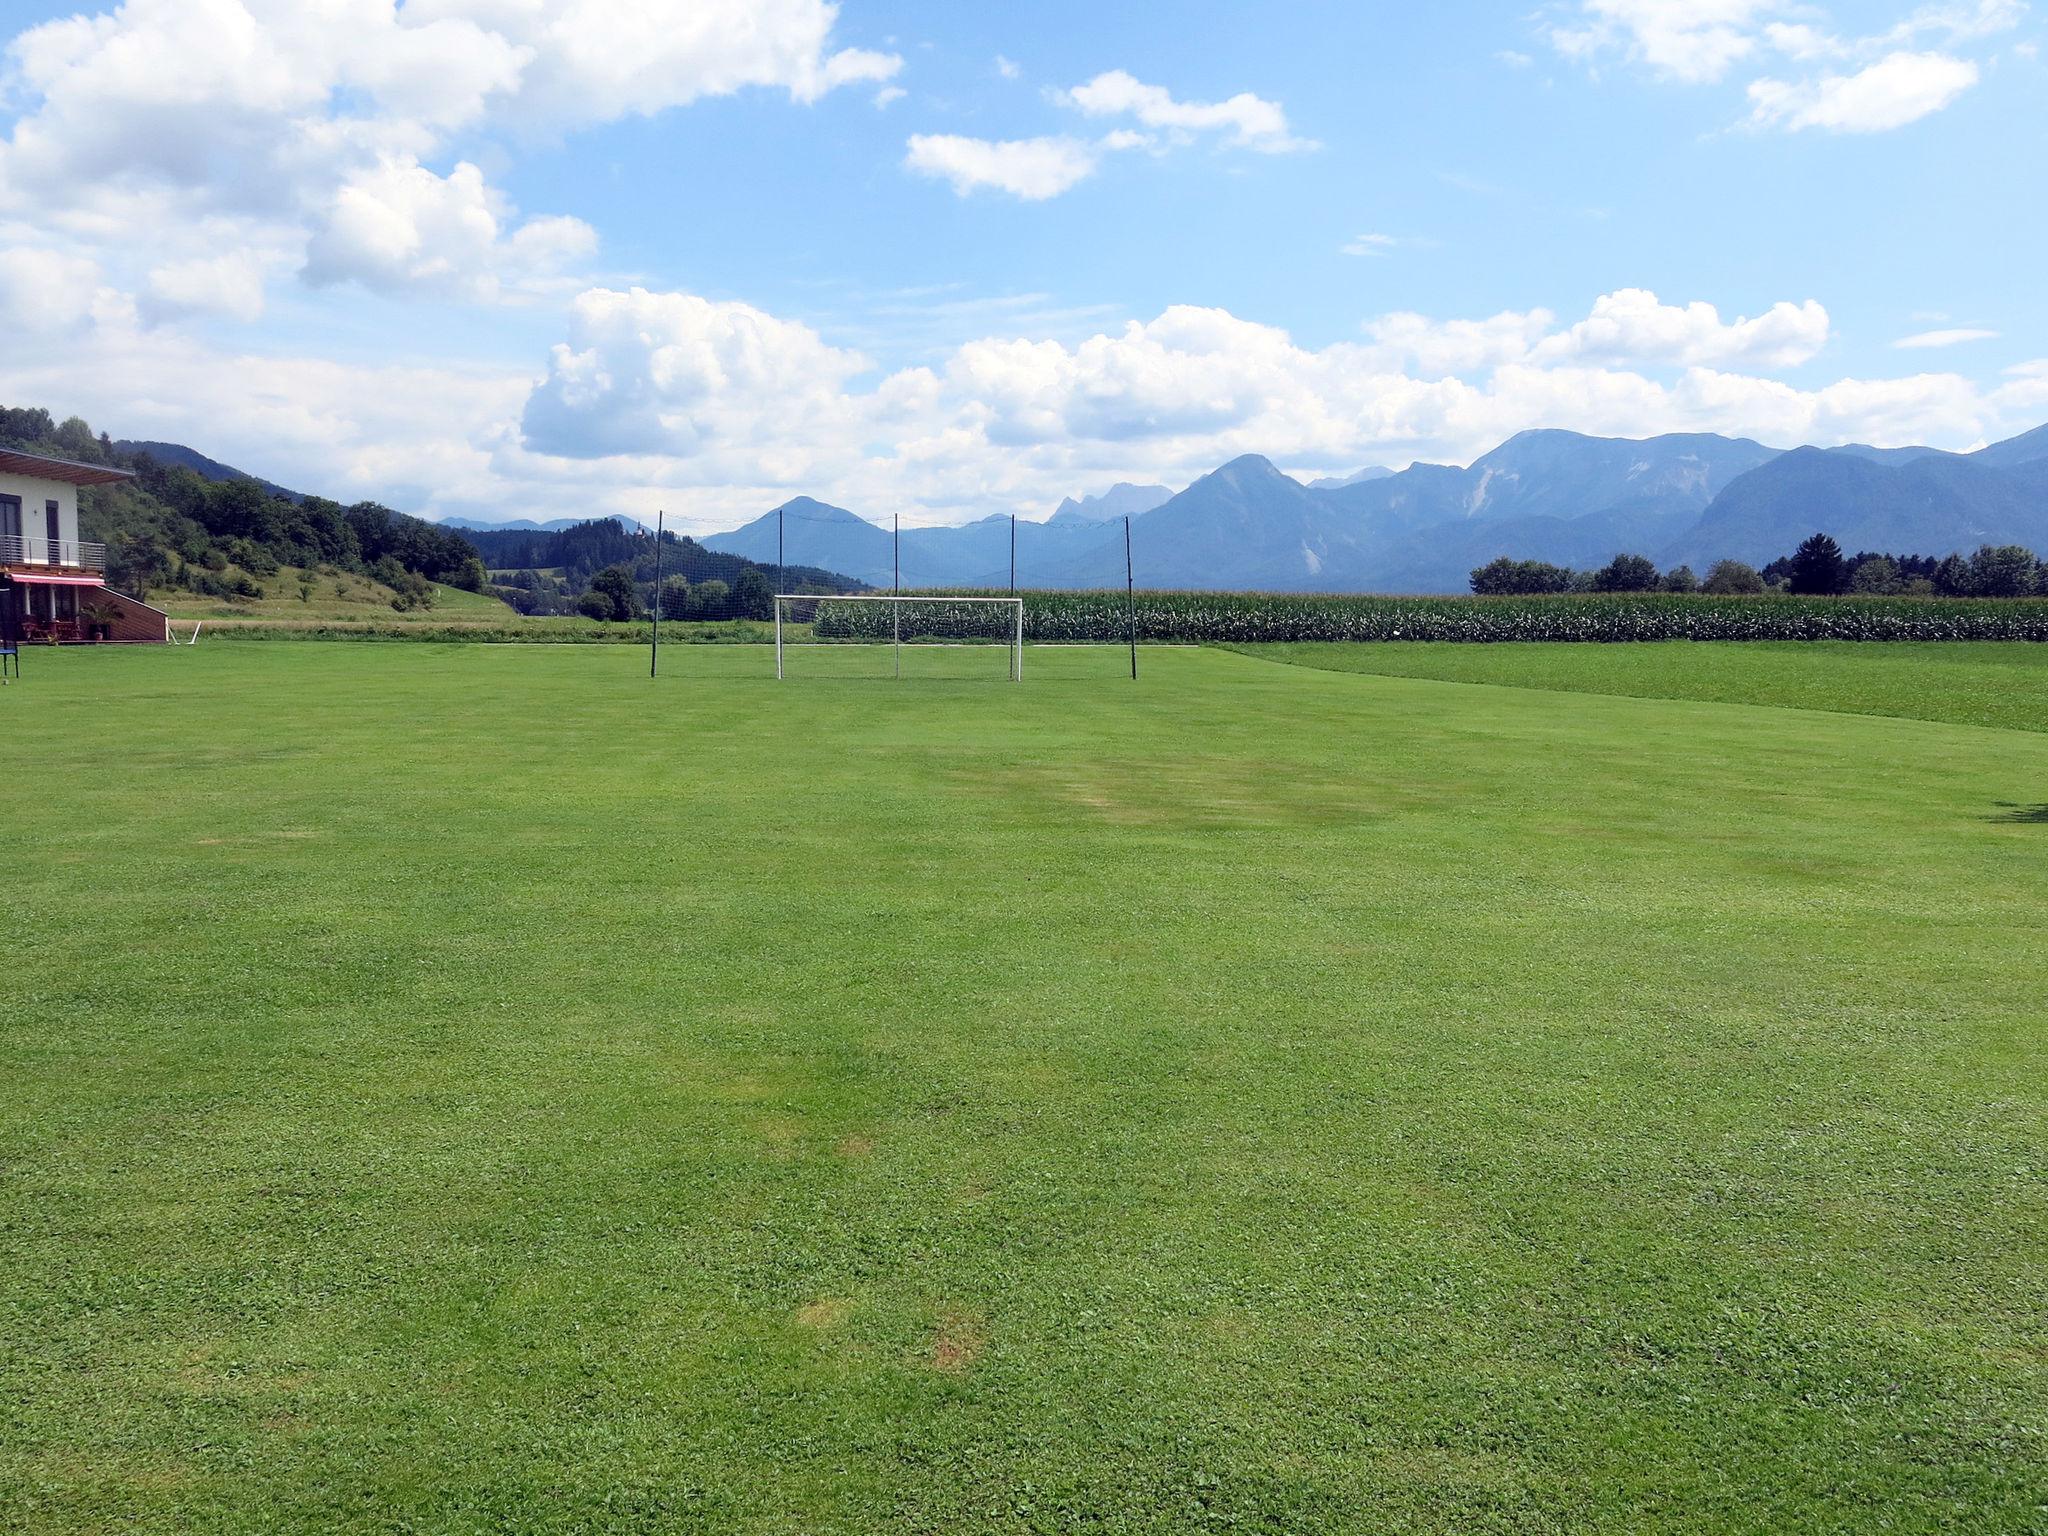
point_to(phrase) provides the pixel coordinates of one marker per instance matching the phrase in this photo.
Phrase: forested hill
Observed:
(570, 558)
(173, 527)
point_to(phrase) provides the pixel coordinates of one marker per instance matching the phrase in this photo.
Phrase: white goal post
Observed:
(896, 606)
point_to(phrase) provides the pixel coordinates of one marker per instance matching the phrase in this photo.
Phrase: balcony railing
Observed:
(75, 553)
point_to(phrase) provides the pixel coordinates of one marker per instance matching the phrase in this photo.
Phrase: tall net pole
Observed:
(1130, 600)
(896, 609)
(654, 651)
(1013, 554)
(781, 566)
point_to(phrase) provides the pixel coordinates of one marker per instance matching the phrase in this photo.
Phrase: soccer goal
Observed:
(878, 621)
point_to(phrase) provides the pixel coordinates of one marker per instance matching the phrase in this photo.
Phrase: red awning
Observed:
(56, 581)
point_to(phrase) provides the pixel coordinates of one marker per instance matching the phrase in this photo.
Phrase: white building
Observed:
(53, 584)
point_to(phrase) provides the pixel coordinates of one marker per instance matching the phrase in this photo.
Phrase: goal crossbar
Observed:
(1014, 604)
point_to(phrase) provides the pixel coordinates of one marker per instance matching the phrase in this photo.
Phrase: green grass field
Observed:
(1966, 684)
(478, 1089)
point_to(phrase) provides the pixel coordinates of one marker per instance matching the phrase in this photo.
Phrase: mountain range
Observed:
(1542, 495)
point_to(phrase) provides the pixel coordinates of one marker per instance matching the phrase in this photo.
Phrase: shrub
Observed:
(1681, 579)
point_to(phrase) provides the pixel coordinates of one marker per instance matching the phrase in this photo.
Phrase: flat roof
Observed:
(40, 466)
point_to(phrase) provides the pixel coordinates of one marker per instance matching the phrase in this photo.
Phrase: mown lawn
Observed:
(1967, 684)
(463, 1089)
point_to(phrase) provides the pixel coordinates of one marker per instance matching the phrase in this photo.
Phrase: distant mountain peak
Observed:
(1120, 500)
(1358, 477)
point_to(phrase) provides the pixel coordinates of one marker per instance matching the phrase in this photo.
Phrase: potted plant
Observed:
(99, 620)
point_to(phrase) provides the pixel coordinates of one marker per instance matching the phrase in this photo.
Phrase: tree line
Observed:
(1817, 568)
(603, 570)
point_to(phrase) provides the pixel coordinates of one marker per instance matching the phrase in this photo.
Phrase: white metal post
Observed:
(778, 639)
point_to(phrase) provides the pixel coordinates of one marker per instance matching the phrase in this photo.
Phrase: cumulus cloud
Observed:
(279, 112)
(1899, 89)
(1630, 326)
(398, 226)
(1031, 169)
(1634, 326)
(675, 374)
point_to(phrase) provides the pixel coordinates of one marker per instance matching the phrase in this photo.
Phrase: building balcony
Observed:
(17, 552)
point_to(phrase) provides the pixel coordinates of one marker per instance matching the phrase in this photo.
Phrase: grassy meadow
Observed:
(483, 1089)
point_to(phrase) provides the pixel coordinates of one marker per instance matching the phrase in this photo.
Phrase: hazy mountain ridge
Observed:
(1542, 495)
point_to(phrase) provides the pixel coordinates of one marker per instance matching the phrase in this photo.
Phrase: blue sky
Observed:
(547, 257)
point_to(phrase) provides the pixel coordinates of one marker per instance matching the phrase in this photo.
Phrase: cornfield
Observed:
(1194, 618)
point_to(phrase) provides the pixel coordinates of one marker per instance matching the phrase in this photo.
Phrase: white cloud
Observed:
(1890, 77)
(1251, 122)
(1370, 245)
(1039, 168)
(1926, 340)
(1689, 40)
(1899, 89)
(399, 226)
(888, 96)
(671, 373)
(229, 284)
(1633, 326)
(280, 113)
(1033, 169)
(1009, 69)
(46, 293)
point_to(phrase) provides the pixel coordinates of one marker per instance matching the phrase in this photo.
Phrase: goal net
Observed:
(889, 636)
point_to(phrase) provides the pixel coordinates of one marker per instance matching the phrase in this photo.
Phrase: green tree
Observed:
(1875, 576)
(1681, 579)
(2004, 570)
(1625, 573)
(596, 605)
(753, 596)
(1731, 578)
(1504, 577)
(615, 582)
(675, 598)
(1818, 569)
(709, 600)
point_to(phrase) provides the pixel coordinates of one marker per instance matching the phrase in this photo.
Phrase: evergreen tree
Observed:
(1818, 569)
